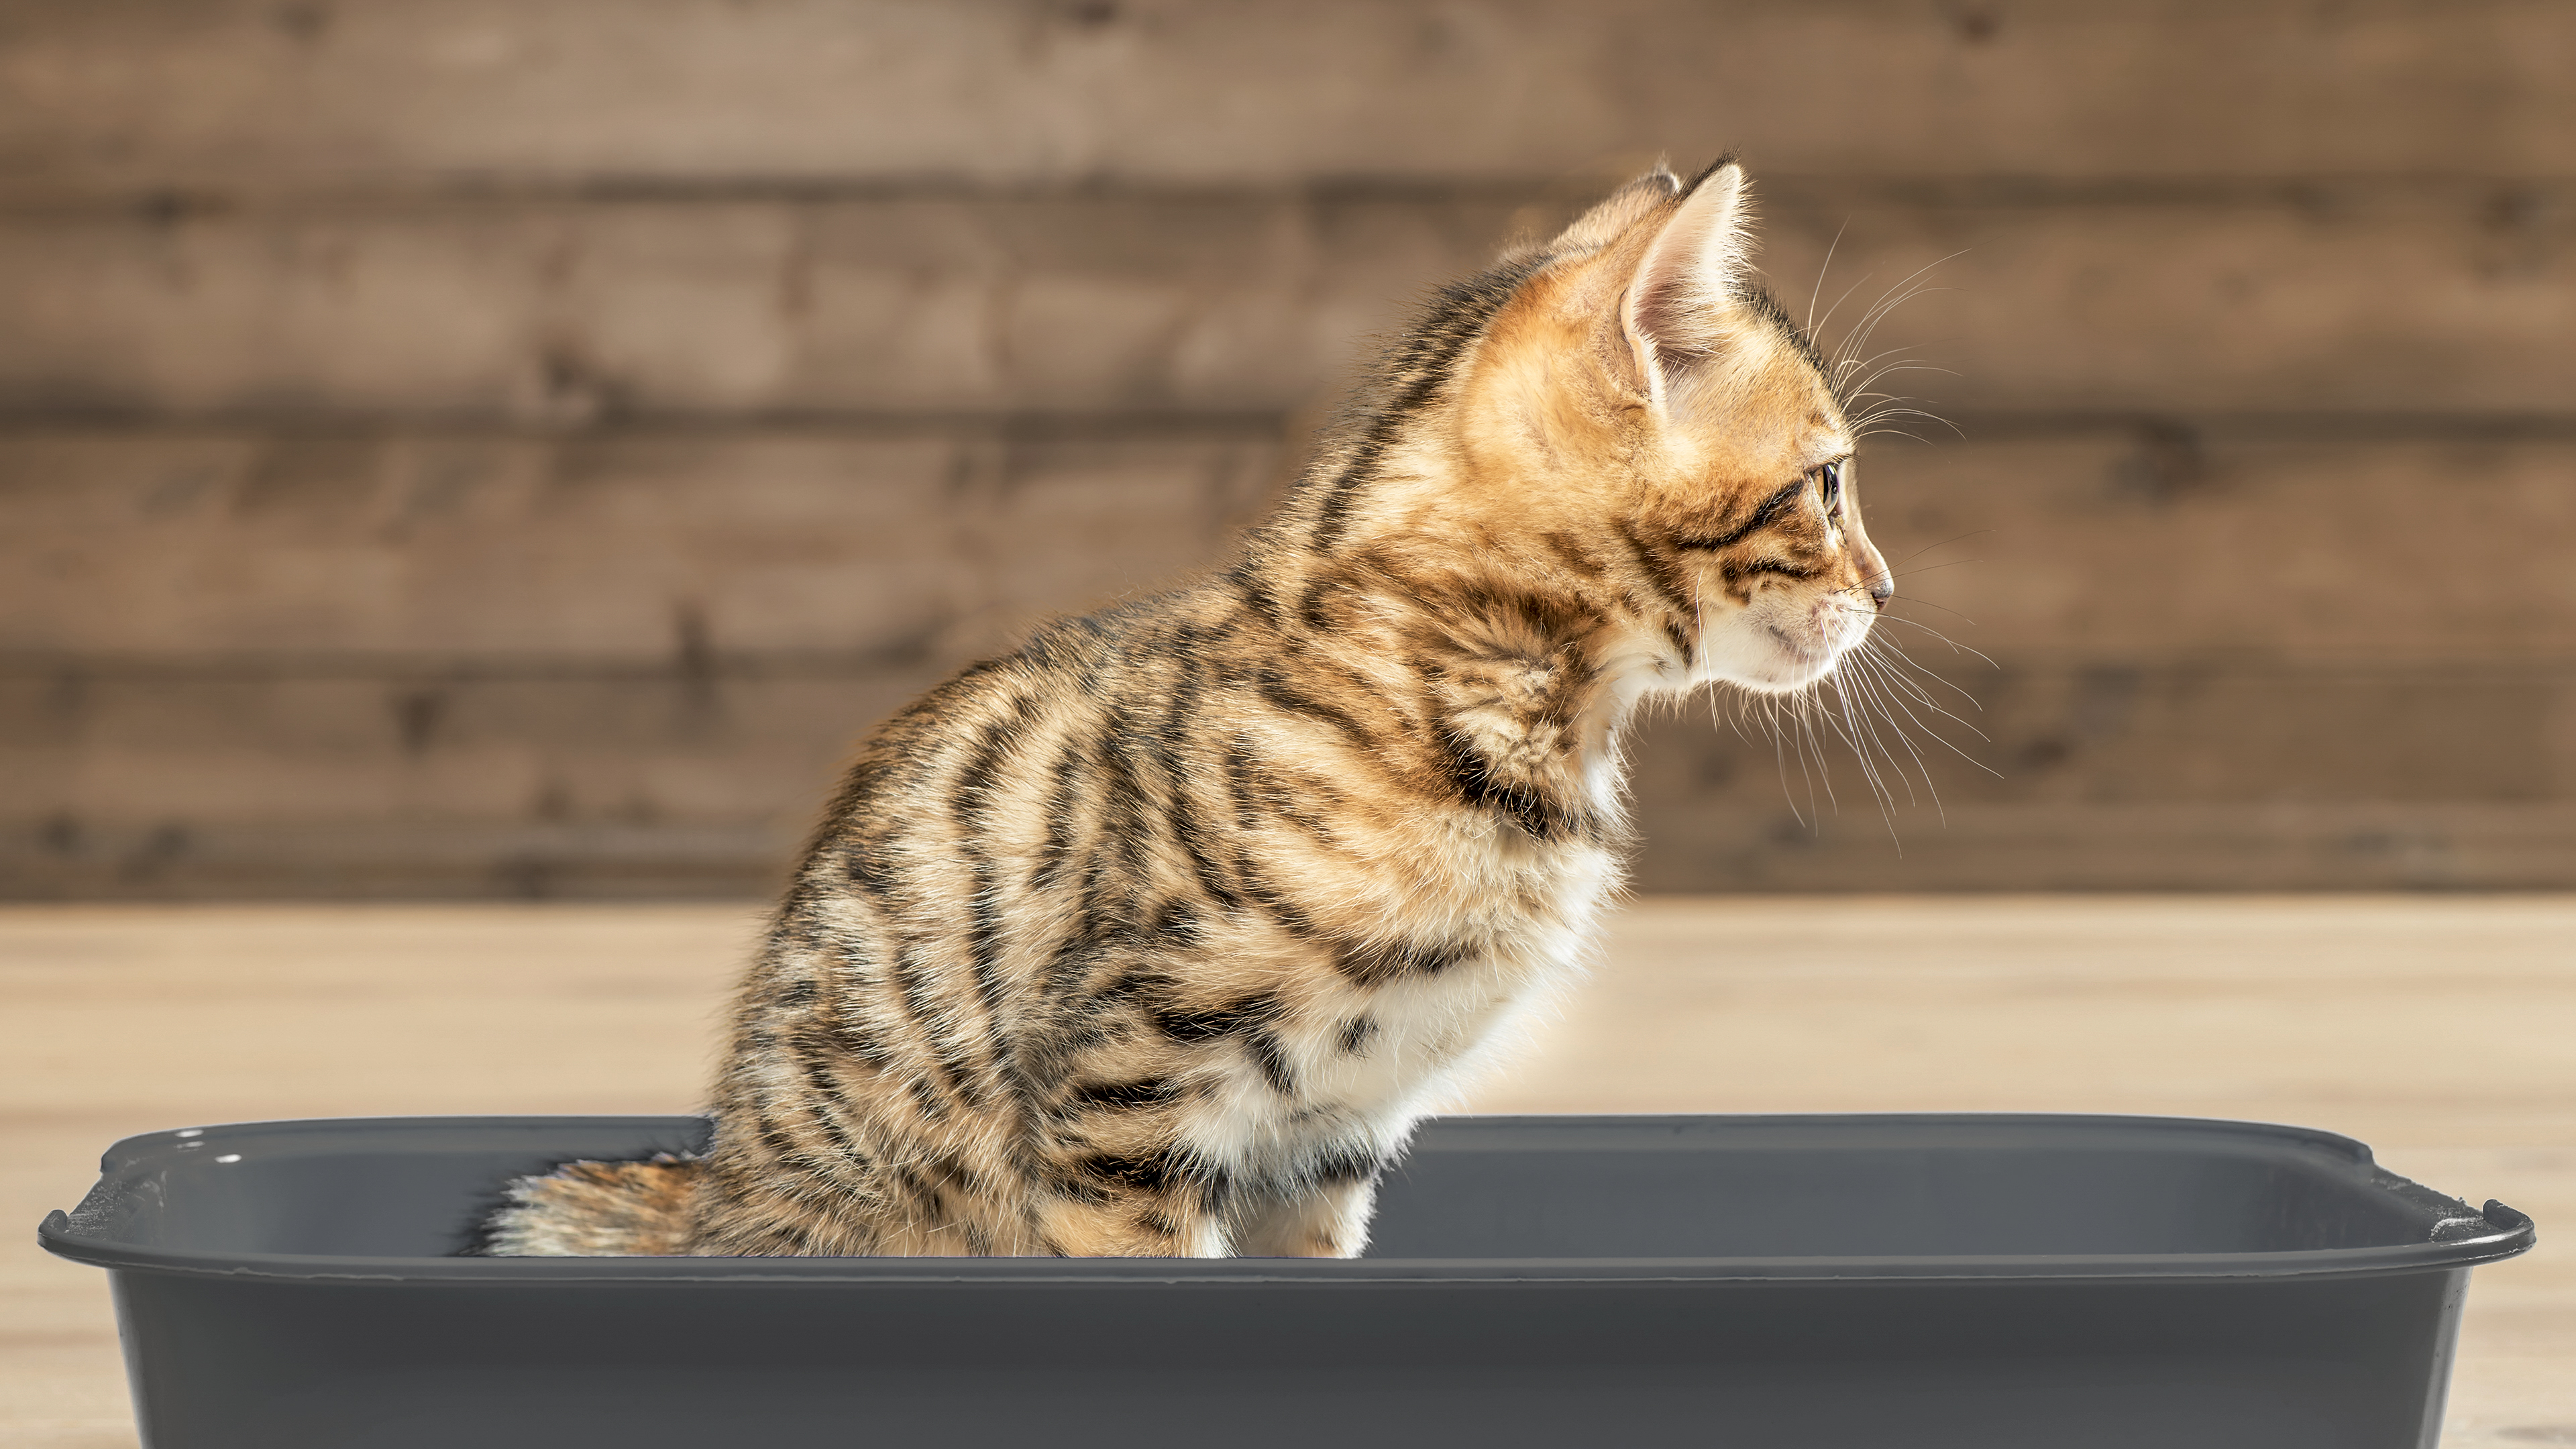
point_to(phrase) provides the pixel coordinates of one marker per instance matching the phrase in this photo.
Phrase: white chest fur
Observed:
(1365, 1062)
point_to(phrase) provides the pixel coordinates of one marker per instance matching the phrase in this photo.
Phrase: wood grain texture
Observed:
(197, 93)
(921, 543)
(2422, 297)
(2433, 1029)
(910, 547)
(454, 446)
(431, 664)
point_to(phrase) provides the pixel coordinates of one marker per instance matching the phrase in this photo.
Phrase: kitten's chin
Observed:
(1785, 678)
(1768, 659)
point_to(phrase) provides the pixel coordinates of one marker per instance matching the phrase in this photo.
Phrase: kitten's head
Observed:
(1655, 401)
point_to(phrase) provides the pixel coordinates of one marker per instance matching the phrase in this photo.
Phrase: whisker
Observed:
(1891, 576)
(1871, 714)
(1955, 646)
(1944, 740)
(1896, 364)
(1844, 370)
(1868, 691)
(1925, 769)
(1780, 745)
(1910, 601)
(1733, 719)
(1838, 302)
(1884, 305)
(1870, 320)
(1882, 423)
(1805, 716)
(1861, 736)
(1945, 543)
(1879, 416)
(1944, 564)
(1896, 661)
(1895, 405)
(1826, 266)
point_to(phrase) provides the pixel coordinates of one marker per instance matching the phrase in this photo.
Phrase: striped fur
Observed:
(1158, 935)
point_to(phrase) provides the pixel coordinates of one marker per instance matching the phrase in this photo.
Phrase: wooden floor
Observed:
(2442, 1031)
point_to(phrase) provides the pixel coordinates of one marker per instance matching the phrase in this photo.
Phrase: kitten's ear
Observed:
(1689, 279)
(1622, 209)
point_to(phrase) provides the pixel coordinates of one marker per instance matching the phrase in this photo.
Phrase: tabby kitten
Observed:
(1158, 936)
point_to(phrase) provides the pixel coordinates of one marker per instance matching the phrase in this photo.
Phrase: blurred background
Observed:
(480, 449)
(505, 451)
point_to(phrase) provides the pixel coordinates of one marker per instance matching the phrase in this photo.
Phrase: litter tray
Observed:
(1896, 1282)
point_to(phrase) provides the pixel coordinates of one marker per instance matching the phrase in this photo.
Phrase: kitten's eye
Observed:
(1829, 487)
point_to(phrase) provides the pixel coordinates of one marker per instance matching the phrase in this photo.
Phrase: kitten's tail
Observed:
(595, 1209)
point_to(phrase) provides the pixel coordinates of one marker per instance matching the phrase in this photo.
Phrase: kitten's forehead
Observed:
(1823, 431)
(1802, 351)
(1789, 399)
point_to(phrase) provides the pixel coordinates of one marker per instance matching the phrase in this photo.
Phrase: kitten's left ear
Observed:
(1690, 278)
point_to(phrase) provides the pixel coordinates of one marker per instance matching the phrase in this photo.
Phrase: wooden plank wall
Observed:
(462, 447)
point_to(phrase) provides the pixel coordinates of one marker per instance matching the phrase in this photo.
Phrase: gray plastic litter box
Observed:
(1896, 1282)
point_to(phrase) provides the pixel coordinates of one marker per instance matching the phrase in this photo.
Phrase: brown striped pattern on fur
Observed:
(1158, 935)
(587, 1209)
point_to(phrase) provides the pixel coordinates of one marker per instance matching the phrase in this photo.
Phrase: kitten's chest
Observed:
(1416, 1039)
(1359, 1061)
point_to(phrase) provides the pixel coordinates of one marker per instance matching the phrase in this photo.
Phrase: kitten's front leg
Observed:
(1327, 1222)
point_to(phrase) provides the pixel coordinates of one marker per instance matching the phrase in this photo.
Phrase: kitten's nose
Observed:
(1882, 588)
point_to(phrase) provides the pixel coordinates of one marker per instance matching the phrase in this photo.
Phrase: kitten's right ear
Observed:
(1688, 281)
(1622, 209)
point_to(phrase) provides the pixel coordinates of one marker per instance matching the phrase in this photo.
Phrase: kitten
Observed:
(1158, 936)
